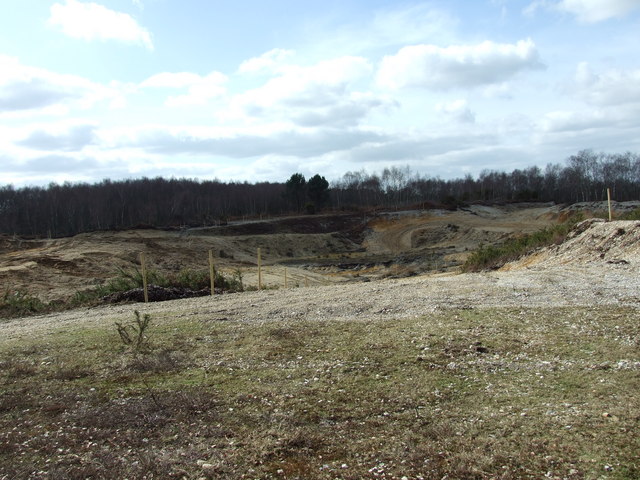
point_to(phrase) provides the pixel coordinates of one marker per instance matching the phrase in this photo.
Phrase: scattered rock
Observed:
(617, 262)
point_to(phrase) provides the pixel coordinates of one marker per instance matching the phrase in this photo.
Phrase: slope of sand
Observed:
(315, 250)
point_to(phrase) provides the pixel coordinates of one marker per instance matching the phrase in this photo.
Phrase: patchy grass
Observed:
(491, 257)
(22, 304)
(632, 215)
(474, 394)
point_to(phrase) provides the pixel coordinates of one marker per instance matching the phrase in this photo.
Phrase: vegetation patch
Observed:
(475, 393)
(491, 257)
(20, 304)
(125, 286)
(187, 279)
(632, 215)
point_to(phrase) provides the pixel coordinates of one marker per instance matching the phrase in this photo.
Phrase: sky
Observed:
(256, 91)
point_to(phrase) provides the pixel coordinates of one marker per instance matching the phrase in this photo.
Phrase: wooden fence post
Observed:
(212, 272)
(259, 269)
(143, 264)
(285, 277)
(609, 201)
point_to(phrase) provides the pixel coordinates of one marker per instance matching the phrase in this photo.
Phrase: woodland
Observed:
(71, 208)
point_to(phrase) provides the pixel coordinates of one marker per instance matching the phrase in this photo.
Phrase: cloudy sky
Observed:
(257, 90)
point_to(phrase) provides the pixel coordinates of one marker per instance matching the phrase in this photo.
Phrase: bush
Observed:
(18, 304)
(187, 278)
(134, 334)
(129, 279)
(492, 257)
(200, 279)
(191, 279)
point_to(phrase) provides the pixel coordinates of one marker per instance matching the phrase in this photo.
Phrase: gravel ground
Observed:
(568, 286)
(605, 275)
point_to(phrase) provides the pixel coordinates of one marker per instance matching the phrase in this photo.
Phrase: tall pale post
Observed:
(143, 264)
(259, 269)
(212, 272)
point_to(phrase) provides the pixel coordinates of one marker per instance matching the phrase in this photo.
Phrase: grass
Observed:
(632, 215)
(474, 394)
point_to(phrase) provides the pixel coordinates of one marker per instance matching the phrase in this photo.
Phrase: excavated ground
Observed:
(597, 266)
(309, 250)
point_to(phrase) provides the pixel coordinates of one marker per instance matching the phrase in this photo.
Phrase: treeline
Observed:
(68, 209)
(585, 177)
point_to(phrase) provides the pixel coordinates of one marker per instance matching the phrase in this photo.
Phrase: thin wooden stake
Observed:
(609, 201)
(306, 282)
(143, 264)
(285, 277)
(259, 269)
(212, 273)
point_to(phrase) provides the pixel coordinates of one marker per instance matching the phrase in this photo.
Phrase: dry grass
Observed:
(473, 394)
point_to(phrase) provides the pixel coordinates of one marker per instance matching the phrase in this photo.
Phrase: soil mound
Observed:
(593, 241)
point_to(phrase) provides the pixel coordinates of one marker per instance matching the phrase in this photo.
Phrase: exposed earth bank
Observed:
(314, 250)
(597, 266)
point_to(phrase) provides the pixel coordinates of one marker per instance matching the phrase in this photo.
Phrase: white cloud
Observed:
(379, 29)
(347, 111)
(587, 11)
(200, 89)
(171, 80)
(54, 138)
(441, 68)
(268, 62)
(457, 110)
(572, 121)
(591, 11)
(28, 89)
(324, 93)
(408, 25)
(601, 129)
(403, 148)
(90, 21)
(530, 9)
(283, 141)
(611, 88)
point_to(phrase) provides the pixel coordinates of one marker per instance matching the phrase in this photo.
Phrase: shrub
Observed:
(187, 278)
(491, 257)
(200, 279)
(134, 334)
(231, 282)
(191, 279)
(129, 279)
(20, 303)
